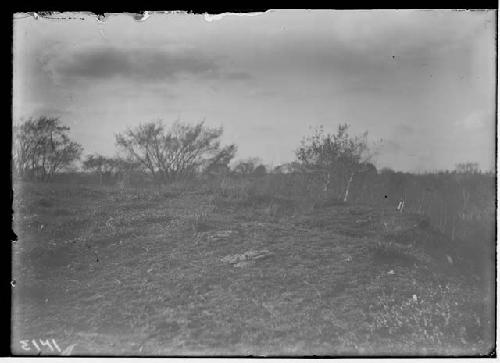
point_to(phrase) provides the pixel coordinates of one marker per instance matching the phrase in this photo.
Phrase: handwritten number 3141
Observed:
(27, 345)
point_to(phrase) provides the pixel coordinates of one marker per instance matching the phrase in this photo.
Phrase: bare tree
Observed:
(337, 157)
(170, 154)
(467, 168)
(42, 148)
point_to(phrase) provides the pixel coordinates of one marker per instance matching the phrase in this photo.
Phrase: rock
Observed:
(244, 263)
(232, 258)
(214, 236)
(246, 258)
(219, 235)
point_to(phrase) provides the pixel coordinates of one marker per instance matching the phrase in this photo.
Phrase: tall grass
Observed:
(461, 206)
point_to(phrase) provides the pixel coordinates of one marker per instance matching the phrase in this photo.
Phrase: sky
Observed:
(421, 83)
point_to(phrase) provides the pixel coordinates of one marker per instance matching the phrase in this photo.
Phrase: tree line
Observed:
(328, 166)
(42, 148)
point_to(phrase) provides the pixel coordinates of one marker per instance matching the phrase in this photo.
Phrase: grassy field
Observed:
(104, 271)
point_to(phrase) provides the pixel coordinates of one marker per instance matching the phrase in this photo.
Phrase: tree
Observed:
(42, 148)
(386, 171)
(100, 165)
(293, 167)
(335, 156)
(467, 168)
(260, 170)
(246, 167)
(365, 176)
(219, 164)
(171, 154)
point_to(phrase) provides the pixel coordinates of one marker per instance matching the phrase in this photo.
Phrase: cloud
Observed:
(140, 64)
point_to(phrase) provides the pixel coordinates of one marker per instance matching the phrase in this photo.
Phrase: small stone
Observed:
(246, 258)
(244, 263)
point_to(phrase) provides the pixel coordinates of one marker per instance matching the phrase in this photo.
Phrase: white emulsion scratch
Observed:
(216, 17)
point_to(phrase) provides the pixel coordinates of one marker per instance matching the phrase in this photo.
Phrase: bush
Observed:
(438, 318)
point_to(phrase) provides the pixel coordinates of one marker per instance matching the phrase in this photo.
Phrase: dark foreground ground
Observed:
(99, 271)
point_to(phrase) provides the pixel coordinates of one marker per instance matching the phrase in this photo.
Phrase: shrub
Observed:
(436, 316)
(181, 151)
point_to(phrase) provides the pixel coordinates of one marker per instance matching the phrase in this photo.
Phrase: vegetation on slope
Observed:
(154, 272)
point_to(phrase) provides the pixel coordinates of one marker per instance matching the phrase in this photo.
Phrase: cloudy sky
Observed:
(422, 81)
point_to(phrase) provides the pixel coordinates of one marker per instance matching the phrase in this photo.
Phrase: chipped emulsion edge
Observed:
(101, 18)
(51, 15)
(215, 17)
(82, 15)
